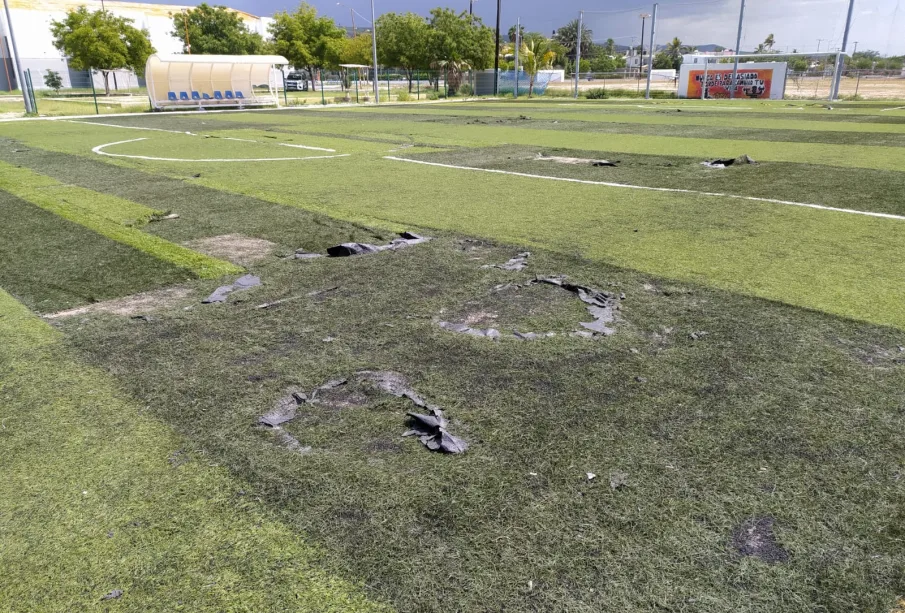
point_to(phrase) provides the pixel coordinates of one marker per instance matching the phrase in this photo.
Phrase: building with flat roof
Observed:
(31, 25)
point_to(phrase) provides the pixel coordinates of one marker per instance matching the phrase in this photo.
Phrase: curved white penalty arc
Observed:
(100, 151)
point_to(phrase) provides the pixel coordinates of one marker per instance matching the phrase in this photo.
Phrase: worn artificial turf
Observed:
(710, 411)
(98, 496)
(776, 412)
(52, 264)
(99, 215)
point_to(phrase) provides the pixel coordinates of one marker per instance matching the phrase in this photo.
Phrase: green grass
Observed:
(789, 407)
(97, 496)
(96, 216)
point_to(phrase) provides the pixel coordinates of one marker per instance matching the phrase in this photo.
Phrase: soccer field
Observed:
(730, 440)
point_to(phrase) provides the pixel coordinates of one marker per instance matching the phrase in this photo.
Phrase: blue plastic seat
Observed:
(171, 96)
(239, 95)
(196, 96)
(218, 95)
(229, 95)
(205, 96)
(183, 96)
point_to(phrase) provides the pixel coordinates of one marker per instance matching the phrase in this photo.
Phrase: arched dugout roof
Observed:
(212, 80)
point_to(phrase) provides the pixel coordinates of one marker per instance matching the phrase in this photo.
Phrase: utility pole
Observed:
(518, 43)
(820, 40)
(12, 37)
(855, 50)
(471, 7)
(352, 15)
(185, 23)
(496, 58)
(840, 57)
(374, 53)
(653, 45)
(644, 17)
(738, 45)
(578, 51)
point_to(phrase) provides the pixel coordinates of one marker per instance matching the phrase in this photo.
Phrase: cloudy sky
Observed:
(796, 24)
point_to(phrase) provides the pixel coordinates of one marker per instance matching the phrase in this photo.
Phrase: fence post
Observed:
(357, 74)
(446, 82)
(389, 93)
(418, 77)
(285, 95)
(93, 92)
(31, 91)
(323, 97)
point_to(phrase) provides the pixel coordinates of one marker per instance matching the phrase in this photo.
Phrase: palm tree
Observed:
(538, 54)
(675, 50)
(769, 42)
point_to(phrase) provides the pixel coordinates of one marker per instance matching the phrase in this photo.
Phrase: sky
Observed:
(796, 24)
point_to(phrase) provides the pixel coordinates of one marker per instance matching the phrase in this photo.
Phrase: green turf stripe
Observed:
(90, 503)
(204, 266)
(118, 210)
(52, 264)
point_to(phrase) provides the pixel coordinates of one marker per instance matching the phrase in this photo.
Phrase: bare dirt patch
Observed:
(131, 306)
(235, 248)
(755, 538)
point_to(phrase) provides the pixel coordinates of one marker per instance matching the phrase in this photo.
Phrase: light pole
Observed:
(19, 75)
(471, 6)
(738, 44)
(496, 58)
(644, 17)
(185, 22)
(374, 53)
(352, 15)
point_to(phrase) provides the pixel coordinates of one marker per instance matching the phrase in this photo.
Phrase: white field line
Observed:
(652, 189)
(306, 147)
(895, 108)
(100, 151)
(239, 140)
(110, 125)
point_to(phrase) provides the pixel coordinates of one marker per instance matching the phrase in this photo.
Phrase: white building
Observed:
(31, 25)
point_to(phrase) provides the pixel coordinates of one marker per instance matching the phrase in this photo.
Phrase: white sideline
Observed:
(306, 147)
(896, 108)
(110, 125)
(100, 151)
(652, 189)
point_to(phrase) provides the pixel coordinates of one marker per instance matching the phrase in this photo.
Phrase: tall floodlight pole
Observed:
(19, 75)
(738, 46)
(578, 51)
(374, 53)
(518, 43)
(653, 45)
(644, 17)
(496, 58)
(840, 57)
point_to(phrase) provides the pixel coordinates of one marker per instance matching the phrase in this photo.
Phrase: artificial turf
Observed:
(97, 496)
(732, 394)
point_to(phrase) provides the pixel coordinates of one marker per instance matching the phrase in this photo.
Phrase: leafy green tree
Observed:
(606, 63)
(53, 80)
(458, 43)
(99, 40)
(609, 47)
(662, 61)
(355, 50)
(536, 55)
(216, 30)
(567, 36)
(403, 42)
(306, 40)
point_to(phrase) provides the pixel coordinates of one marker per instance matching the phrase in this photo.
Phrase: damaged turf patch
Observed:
(235, 248)
(131, 306)
(755, 539)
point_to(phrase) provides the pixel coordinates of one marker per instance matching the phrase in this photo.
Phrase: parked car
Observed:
(297, 82)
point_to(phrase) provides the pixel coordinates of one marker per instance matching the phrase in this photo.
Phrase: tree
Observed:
(567, 36)
(403, 42)
(306, 40)
(101, 41)
(53, 80)
(459, 42)
(609, 47)
(662, 61)
(355, 50)
(674, 51)
(606, 63)
(536, 55)
(767, 45)
(511, 34)
(216, 30)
